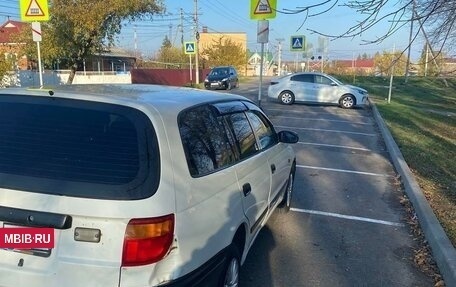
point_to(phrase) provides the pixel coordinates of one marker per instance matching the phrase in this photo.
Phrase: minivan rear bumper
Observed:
(207, 275)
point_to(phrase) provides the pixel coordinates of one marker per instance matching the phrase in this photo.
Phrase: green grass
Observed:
(422, 118)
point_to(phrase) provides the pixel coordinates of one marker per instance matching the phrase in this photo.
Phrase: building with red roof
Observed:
(9, 45)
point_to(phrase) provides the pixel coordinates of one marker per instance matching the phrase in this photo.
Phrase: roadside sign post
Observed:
(36, 34)
(263, 37)
(189, 49)
(34, 11)
(262, 10)
(297, 44)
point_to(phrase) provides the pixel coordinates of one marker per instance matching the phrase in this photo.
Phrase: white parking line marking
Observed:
(365, 219)
(312, 119)
(313, 113)
(329, 131)
(343, 170)
(337, 146)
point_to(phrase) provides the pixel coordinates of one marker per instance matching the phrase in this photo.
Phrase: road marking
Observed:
(337, 146)
(312, 113)
(312, 119)
(329, 131)
(343, 170)
(365, 219)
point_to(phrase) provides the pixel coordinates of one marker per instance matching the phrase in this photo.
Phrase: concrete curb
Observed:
(442, 249)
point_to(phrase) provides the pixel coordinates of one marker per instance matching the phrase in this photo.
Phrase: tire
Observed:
(347, 102)
(229, 86)
(231, 272)
(285, 204)
(286, 98)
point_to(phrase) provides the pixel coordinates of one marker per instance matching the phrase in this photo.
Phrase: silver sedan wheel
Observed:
(232, 273)
(347, 102)
(286, 98)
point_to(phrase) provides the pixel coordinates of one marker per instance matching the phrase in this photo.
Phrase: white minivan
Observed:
(141, 185)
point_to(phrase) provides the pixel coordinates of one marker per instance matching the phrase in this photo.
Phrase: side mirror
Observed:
(288, 137)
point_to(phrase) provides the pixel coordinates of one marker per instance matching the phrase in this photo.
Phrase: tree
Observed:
(4, 68)
(438, 16)
(224, 52)
(384, 62)
(171, 56)
(86, 27)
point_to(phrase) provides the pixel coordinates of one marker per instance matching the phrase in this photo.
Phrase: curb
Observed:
(442, 249)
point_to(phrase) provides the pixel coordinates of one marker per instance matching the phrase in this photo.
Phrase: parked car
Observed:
(223, 77)
(318, 88)
(143, 185)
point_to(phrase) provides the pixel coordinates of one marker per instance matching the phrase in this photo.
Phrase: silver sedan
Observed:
(317, 88)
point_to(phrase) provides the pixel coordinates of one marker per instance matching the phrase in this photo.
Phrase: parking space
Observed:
(346, 226)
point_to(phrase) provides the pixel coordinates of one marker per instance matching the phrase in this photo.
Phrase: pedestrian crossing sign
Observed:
(190, 48)
(298, 43)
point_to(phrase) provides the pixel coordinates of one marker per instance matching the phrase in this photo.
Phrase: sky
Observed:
(234, 16)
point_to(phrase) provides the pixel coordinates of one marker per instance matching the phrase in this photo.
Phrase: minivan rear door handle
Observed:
(273, 168)
(246, 189)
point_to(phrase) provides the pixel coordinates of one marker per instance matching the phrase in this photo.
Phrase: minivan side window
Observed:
(244, 136)
(267, 137)
(205, 142)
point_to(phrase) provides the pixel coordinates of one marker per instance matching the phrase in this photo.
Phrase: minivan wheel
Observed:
(230, 276)
(228, 86)
(286, 98)
(285, 204)
(347, 101)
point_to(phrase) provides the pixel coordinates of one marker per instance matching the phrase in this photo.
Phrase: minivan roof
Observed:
(161, 97)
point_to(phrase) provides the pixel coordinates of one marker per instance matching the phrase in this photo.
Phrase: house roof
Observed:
(9, 29)
(268, 56)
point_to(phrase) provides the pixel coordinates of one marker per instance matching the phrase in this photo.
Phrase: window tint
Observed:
(303, 78)
(244, 137)
(263, 130)
(319, 79)
(206, 145)
(75, 148)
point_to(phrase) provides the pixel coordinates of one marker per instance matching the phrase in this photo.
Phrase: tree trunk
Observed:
(73, 69)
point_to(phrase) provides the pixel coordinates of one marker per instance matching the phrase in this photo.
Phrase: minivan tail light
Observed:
(147, 240)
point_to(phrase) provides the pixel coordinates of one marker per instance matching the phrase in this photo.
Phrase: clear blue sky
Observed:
(234, 16)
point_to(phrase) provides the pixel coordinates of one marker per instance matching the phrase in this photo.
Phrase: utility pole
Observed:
(426, 60)
(428, 44)
(136, 42)
(280, 56)
(392, 74)
(407, 67)
(353, 68)
(182, 26)
(170, 32)
(197, 44)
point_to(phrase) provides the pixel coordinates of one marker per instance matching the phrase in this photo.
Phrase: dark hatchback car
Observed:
(223, 77)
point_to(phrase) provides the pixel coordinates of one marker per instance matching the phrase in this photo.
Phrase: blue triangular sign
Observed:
(297, 43)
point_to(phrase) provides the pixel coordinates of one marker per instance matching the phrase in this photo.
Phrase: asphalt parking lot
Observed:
(346, 226)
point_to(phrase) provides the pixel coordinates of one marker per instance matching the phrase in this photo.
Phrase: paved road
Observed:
(346, 226)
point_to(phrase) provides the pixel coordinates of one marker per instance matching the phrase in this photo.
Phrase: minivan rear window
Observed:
(77, 148)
